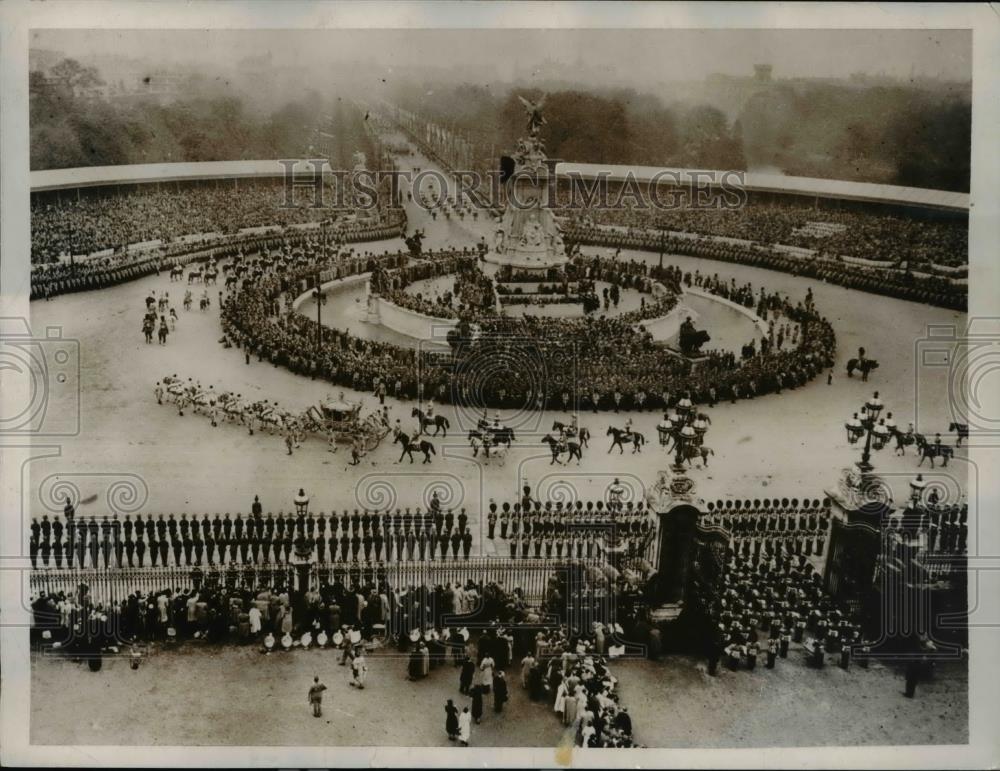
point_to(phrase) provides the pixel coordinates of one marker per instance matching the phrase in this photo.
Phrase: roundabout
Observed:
(521, 443)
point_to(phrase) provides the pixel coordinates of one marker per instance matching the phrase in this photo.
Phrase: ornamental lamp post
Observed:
(685, 438)
(700, 426)
(319, 298)
(665, 428)
(866, 423)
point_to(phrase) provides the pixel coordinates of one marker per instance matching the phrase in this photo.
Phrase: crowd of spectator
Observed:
(597, 363)
(569, 670)
(831, 232)
(55, 278)
(94, 223)
(903, 284)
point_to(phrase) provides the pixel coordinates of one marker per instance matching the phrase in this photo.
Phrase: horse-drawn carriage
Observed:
(341, 420)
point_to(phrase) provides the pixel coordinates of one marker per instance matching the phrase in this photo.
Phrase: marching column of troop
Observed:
(531, 529)
(158, 540)
(534, 529)
(771, 603)
(773, 527)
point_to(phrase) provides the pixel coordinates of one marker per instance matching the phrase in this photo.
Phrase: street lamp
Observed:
(866, 423)
(320, 299)
(688, 431)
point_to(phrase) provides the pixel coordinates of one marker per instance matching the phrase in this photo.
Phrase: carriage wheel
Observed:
(371, 442)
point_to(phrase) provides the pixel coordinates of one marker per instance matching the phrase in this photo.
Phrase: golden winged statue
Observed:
(535, 118)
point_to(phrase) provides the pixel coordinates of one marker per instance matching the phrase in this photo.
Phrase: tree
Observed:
(77, 79)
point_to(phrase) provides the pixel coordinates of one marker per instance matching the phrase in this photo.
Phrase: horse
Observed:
(270, 417)
(440, 422)
(962, 429)
(691, 452)
(231, 281)
(211, 276)
(558, 448)
(476, 440)
(503, 435)
(581, 432)
(863, 366)
(203, 303)
(147, 330)
(408, 446)
(619, 437)
(905, 439)
(176, 273)
(931, 450)
(194, 275)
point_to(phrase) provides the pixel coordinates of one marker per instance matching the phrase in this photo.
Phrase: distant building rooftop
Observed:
(144, 173)
(97, 176)
(777, 183)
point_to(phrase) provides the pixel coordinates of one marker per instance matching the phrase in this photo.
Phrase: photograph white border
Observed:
(17, 17)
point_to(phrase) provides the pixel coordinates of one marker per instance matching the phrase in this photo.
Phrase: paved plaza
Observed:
(674, 703)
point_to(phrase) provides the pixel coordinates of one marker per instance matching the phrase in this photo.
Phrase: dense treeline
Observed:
(896, 135)
(890, 134)
(598, 127)
(73, 125)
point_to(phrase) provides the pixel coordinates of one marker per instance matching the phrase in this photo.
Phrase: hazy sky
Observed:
(637, 56)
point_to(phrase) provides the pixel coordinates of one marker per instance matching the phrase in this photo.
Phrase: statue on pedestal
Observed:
(690, 339)
(535, 118)
(528, 237)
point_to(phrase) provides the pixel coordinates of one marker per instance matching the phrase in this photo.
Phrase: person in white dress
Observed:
(560, 702)
(486, 673)
(465, 727)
